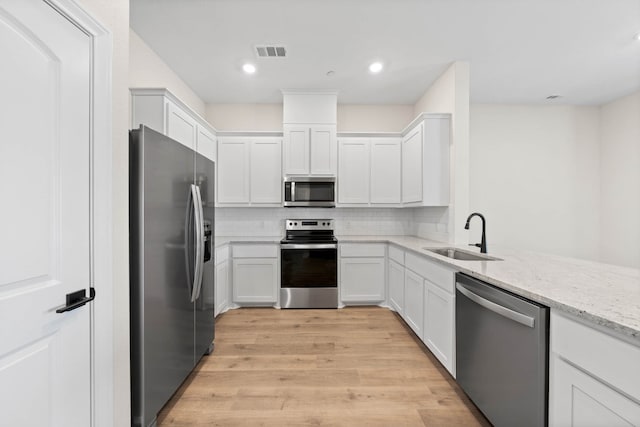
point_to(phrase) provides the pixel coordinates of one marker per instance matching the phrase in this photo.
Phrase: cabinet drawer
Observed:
(255, 251)
(431, 271)
(396, 254)
(362, 250)
(222, 254)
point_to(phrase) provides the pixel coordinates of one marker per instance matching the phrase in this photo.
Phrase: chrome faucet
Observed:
(483, 243)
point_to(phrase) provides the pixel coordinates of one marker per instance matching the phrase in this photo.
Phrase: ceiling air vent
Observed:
(271, 51)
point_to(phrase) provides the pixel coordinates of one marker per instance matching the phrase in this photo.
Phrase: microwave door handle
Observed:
(293, 191)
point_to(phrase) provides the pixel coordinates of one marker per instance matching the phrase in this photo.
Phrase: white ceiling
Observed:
(520, 51)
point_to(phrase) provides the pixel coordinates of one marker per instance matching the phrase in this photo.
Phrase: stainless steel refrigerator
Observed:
(171, 267)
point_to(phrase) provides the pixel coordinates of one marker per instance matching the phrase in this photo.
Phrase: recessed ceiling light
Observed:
(375, 67)
(638, 36)
(249, 68)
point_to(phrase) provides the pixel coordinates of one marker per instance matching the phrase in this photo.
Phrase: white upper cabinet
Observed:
(266, 170)
(206, 143)
(369, 171)
(412, 166)
(425, 161)
(233, 170)
(309, 126)
(310, 150)
(353, 172)
(323, 152)
(296, 150)
(249, 171)
(386, 175)
(181, 126)
(161, 111)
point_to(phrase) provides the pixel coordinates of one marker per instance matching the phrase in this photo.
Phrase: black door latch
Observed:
(77, 299)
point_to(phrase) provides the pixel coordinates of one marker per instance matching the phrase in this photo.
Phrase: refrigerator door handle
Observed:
(187, 239)
(200, 242)
(198, 232)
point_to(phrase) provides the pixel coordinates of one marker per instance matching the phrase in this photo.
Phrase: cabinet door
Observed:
(412, 166)
(414, 301)
(323, 150)
(206, 143)
(353, 178)
(362, 280)
(438, 323)
(181, 126)
(255, 280)
(578, 399)
(386, 171)
(436, 140)
(266, 170)
(296, 150)
(396, 286)
(233, 170)
(222, 286)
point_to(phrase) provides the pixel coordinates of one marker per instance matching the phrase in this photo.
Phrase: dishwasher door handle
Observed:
(497, 308)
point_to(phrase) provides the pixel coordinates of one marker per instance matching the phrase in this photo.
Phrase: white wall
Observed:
(348, 221)
(268, 117)
(449, 94)
(620, 183)
(245, 117)
(374, 118)
(114, 15)
(147, 69)
(534, 174)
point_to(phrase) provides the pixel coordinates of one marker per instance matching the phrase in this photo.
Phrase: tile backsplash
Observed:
(424, 222)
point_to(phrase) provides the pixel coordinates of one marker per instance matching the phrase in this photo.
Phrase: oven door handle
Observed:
(308, 246)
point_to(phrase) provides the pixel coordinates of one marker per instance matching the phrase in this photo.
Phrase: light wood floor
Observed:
(348, 367)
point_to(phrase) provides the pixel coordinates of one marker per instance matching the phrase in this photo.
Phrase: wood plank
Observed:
(353, 366)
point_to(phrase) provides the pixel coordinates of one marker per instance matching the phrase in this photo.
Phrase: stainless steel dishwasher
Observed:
(502, 353)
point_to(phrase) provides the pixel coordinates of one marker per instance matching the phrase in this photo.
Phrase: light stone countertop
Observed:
(604, 294)
(219, 241)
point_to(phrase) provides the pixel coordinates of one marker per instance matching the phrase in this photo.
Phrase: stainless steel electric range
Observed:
(309, 264)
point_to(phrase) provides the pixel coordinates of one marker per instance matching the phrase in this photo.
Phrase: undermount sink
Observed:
(459, 254)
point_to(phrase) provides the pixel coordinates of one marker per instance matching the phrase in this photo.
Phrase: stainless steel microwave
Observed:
(309, 192)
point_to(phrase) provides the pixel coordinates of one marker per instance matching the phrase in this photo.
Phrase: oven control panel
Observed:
(308, 224)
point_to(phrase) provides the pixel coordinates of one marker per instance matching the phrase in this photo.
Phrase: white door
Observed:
(362, 280)
(233, 170)
(412, 166)
(396, 286)
(266, 170)
(386, 170)
(323, 150)
(353, 176)
(296, 150)
(180, 126)
(45, 249)
(414, 301)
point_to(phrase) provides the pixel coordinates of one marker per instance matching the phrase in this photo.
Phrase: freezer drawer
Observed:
(502, 353)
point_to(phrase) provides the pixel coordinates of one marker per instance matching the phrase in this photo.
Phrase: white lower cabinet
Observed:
(396, 286)
(362, 280)
(414, 301)
(222, 287)
(362, 273)
(594, 377)
(255, 274)
(439, 322)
